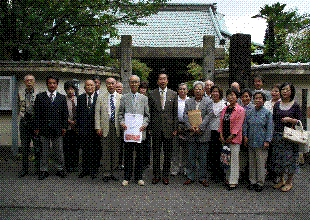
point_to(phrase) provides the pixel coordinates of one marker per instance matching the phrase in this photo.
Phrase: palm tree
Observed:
(278, 20)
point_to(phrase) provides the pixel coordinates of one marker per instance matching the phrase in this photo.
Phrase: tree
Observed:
(280, 23)
(138, 68)
(70, 30)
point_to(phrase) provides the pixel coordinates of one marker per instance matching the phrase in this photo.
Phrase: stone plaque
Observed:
(6, 93)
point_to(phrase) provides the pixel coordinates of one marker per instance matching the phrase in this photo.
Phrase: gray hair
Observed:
(199, 83)
(134, 76)
(183, 84)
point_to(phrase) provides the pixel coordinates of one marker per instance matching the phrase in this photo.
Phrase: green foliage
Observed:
(70, 30)
(281, 24)
(195, 70)
(138, 68)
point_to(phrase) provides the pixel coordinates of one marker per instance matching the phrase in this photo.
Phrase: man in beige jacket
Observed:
(107, 127)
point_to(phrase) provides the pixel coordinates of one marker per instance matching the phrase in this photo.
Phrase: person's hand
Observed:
(192, 129)
(71, 122)
(266, 145)
(36, 132)
(175, 133)
(222, 139)
(100, 132)
(124, 127)
(198, 131)
(142, 128)
(287, 120)
(63, 131)
(229, 139)
(245, 141)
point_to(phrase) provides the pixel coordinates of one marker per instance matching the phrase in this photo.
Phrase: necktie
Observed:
(162, 99)
(112, 106)
(52, 97)
(134, 99)
(73, 109)
(89, 102)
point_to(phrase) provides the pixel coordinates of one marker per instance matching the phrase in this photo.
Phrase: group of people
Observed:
(249, 123)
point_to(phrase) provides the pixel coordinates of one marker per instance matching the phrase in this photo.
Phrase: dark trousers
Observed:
(158, 142)
(26, 136)
(91, 151)
(215, 148)
(147, 150)
(128, 160)
(71, 149)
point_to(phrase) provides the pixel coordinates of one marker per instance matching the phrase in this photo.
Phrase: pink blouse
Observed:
(236, 122)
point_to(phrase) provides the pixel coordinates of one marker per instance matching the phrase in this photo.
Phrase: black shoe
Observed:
(83, 174)
(105, 179)
(93, 175)
(22, 173)
(251, 187)
(113, 178)
(258, 188)
(61, 174)
(43, 175)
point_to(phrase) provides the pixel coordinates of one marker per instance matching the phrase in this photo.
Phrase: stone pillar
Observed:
(240, 59)
(208, 57)
(126, 62)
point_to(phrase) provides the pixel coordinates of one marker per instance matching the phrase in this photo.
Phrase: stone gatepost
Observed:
(208, 57)
(126, 61)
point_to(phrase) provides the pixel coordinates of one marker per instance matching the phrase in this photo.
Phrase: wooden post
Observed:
(240, 59)
(126, 62)
(208, 57)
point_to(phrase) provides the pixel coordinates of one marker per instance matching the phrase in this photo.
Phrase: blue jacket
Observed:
(258, 126)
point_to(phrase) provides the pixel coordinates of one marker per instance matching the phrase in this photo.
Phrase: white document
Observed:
(133, 123)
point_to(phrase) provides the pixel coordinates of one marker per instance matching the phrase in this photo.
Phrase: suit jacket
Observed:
(166, 120)
(50, 116)
(207, 114)
(141, 107)
(102, 116)
(85, 116)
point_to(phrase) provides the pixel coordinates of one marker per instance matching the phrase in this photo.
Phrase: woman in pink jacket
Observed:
(231, 134)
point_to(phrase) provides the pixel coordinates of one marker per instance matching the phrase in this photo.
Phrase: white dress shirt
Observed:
(91, 98)
(54, 94)
(181, 107)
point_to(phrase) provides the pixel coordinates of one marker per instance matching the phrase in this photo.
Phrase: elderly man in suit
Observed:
(134, 103)
(163, 104)
(107, 127)
(51, 122)
(26, 123)
(86, 129)
(198, 137)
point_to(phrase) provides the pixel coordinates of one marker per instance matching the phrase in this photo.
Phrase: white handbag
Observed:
(298, 136)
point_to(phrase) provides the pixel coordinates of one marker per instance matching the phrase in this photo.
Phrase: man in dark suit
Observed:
(51, 121)
(163, 104)
(86, 128)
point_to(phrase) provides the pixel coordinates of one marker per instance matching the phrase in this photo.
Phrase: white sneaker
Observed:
(141, 183)
(125, 183)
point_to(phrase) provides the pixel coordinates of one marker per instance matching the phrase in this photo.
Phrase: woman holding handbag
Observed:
(285, 155)
(231, 134)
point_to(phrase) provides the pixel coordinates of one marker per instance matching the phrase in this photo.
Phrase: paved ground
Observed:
(73, 198)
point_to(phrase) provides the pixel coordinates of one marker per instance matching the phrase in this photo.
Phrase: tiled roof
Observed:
(177, 28)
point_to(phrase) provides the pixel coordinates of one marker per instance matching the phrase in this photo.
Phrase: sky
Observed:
(238, 14)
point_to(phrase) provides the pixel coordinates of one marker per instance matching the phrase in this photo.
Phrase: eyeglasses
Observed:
(134, 82)
(285, 90)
